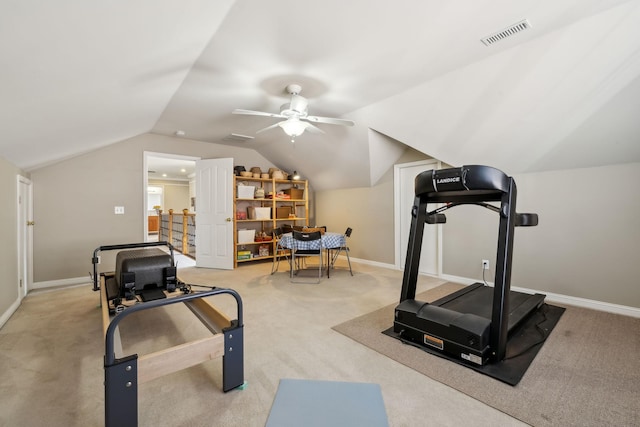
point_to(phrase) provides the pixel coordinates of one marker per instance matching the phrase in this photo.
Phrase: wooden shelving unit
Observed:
(299, 208)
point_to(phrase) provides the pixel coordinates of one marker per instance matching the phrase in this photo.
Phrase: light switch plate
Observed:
(118, 210)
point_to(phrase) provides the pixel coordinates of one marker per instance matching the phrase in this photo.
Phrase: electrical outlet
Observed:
(485, 264)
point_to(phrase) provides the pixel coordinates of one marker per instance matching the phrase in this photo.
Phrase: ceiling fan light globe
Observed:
(293, 128)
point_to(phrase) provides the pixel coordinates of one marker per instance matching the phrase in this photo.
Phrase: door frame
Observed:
(24, 237)
(145, 184)
(399, 211)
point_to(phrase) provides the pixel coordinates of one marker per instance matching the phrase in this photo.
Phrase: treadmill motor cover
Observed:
(148, 266)
(465, 333)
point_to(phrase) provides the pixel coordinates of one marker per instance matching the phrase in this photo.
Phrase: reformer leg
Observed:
(121, 392)
(233, 359)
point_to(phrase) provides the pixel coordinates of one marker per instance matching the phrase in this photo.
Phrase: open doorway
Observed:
(169, 183)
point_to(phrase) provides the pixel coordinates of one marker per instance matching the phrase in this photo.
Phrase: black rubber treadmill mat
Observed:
(522, 347)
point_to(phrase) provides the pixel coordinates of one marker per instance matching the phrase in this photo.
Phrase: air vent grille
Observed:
(507, 32)
(236, 137)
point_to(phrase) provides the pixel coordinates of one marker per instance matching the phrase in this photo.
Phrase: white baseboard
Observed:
(373, 263)
(62, 282)
(562, 299)
(7, 314)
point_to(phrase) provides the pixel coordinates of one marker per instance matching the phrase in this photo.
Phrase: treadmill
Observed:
(473, 324)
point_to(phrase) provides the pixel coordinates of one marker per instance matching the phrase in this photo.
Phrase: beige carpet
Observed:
(586, 374)
(51, 355)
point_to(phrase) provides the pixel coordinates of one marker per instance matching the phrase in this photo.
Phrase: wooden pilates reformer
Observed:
(136, 269)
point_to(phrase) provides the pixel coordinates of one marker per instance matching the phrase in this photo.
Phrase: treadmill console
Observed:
(463, 182)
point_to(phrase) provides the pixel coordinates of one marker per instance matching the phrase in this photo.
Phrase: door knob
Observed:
(228, 219)
(31, 223)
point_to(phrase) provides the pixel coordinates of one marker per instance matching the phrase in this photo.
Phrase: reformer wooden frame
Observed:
(123, 374)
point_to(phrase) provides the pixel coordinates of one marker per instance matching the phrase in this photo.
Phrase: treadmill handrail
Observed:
(522, 219)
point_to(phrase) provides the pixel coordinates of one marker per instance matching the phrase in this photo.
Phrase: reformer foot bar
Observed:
(123, 374)
(473, 324)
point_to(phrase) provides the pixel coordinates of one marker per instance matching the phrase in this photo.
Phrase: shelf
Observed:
(255, 258)
(273, 186)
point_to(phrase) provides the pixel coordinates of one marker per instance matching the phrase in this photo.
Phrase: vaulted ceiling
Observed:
(563, 94)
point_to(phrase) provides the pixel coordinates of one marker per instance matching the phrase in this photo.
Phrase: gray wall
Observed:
(369, 211)
(74, 200)
(8, 235)
(587, 244)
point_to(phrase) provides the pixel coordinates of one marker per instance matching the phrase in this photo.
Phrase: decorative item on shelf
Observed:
(238, 169)
(264, 176)
(292, 215)
(244, 254)
(294, 193)
(284, 212)
(295, 176)
(246, 174)
(246, 191)
(246, 236)
(277, 174)
(259, 213)
(263, 250)
(261, 236)
(259, 194)
(241, 215)
(256, 170)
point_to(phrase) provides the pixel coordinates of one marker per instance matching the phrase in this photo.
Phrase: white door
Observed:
(214, 219)
(25, 235)
(405, 175)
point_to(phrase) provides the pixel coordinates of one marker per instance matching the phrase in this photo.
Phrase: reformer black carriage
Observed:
(473, 325)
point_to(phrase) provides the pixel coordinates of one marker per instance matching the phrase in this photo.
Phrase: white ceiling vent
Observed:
(507, 32)
(236, 137)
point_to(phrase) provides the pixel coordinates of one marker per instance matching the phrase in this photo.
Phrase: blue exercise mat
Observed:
(327, 403)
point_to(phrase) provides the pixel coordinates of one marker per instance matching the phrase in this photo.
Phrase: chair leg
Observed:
(349, 261)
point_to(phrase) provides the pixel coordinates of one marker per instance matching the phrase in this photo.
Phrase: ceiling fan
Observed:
(296, 116)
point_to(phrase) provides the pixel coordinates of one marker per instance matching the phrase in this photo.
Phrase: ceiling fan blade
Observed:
(329, 120)
(313, 129)
(257, 113)
(268, 127)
